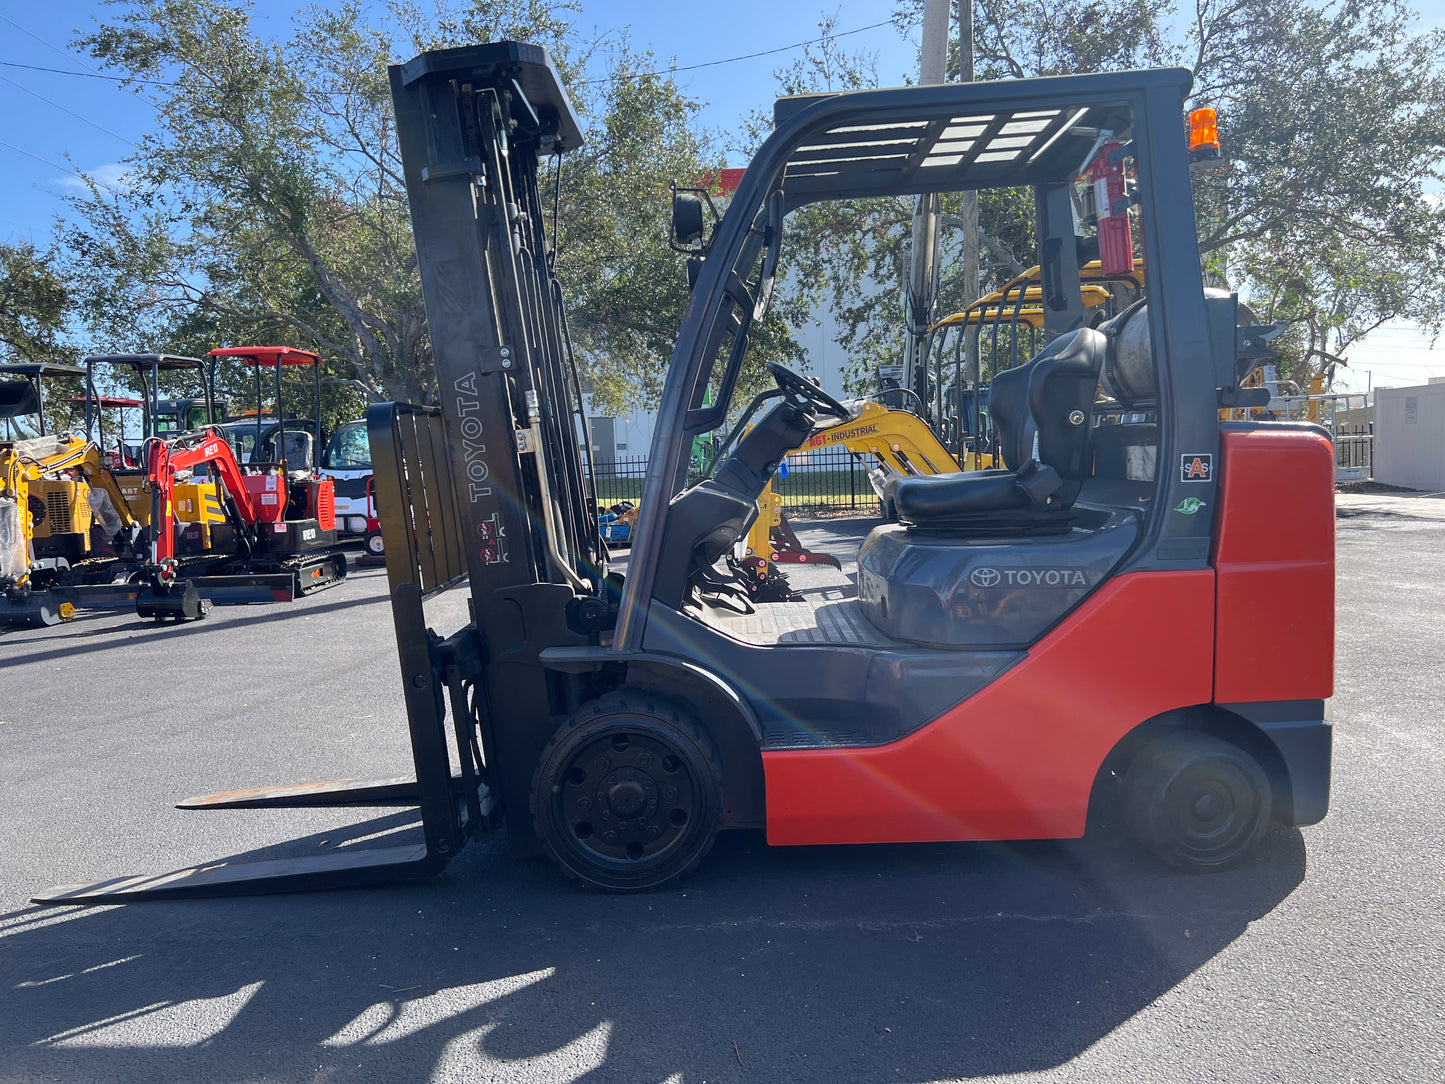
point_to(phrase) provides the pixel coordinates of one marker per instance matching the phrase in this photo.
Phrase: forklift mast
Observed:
(474, 124)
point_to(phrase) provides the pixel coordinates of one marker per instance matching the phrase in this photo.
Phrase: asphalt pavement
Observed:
(1069, 961)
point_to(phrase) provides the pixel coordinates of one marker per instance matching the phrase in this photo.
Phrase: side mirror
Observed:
(687, 220)
(689, 224)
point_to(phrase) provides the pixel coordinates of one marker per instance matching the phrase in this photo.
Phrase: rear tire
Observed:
(1197, 802)
(628, 795)
(374, 545)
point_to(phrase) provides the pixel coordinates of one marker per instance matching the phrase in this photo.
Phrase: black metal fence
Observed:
(619, 479)
(828, 479)
(1355, 450)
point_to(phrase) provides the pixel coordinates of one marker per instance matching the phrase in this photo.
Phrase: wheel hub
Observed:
(1208, 807)
(627, 797)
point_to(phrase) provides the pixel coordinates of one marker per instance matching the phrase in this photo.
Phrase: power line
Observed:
(118, 79)
(62, 52)
(753, 56)
(85, 75)
(77, 116)
(47, 44)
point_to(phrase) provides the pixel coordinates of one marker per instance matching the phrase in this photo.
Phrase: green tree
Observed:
(269, 203)
(626, 289)
(33, 306)
(1333, 118)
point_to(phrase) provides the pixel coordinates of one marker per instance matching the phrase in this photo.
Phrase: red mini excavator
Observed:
(273, 534)
(1134, 605)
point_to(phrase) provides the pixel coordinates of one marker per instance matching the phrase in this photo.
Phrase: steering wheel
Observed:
(796, 384)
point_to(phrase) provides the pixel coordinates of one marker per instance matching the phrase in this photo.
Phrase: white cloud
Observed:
(112, 175)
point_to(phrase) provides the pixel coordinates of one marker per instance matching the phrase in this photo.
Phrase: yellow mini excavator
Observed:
(60, 507)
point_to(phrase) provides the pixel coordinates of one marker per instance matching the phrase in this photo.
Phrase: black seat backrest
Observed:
(1008, 406)
(298, 448)
(1062, 389)
(1043, 396)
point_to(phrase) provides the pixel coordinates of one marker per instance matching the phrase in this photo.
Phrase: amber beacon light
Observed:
(1203, 134)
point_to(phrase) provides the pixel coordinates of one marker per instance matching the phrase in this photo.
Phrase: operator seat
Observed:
(1050, 398)
(297, 448)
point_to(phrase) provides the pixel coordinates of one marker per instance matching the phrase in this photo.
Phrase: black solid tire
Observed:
(373, 544)
(628, 794)
(1196, 802)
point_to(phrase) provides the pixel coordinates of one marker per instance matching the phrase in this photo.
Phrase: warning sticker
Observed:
(493, 550)
(268, 498)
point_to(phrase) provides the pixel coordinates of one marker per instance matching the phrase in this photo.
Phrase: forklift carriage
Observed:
(1089, 617)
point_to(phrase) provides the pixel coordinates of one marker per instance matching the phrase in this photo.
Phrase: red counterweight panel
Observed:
(268, 496)
(1017, 760)
(1275, 562)
(316, 499)
(326, 504)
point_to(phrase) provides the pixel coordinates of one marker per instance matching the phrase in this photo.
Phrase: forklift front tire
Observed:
(1196, 802)
(628, 794)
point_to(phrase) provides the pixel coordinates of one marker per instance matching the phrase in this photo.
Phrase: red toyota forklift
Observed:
(1138, 604)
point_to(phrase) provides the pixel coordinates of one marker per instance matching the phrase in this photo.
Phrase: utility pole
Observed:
(922, 285)
(970, 199)
(969, 214)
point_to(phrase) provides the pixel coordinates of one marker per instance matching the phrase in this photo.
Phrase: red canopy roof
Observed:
(107, 401)
(267, 355)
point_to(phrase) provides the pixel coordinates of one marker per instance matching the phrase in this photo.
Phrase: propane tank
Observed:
(1128, 373)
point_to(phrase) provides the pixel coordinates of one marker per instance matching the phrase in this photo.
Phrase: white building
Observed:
(1410, 437)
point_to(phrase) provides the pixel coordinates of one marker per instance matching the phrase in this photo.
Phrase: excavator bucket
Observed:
(35, 609)
(788, 550)
(178, 602)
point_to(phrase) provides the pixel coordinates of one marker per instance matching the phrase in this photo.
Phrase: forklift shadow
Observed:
(823, 963)
(64, 645)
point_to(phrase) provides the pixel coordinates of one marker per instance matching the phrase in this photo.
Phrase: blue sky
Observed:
(53, 122)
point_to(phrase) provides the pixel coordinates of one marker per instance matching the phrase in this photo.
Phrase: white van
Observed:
(347, 462)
